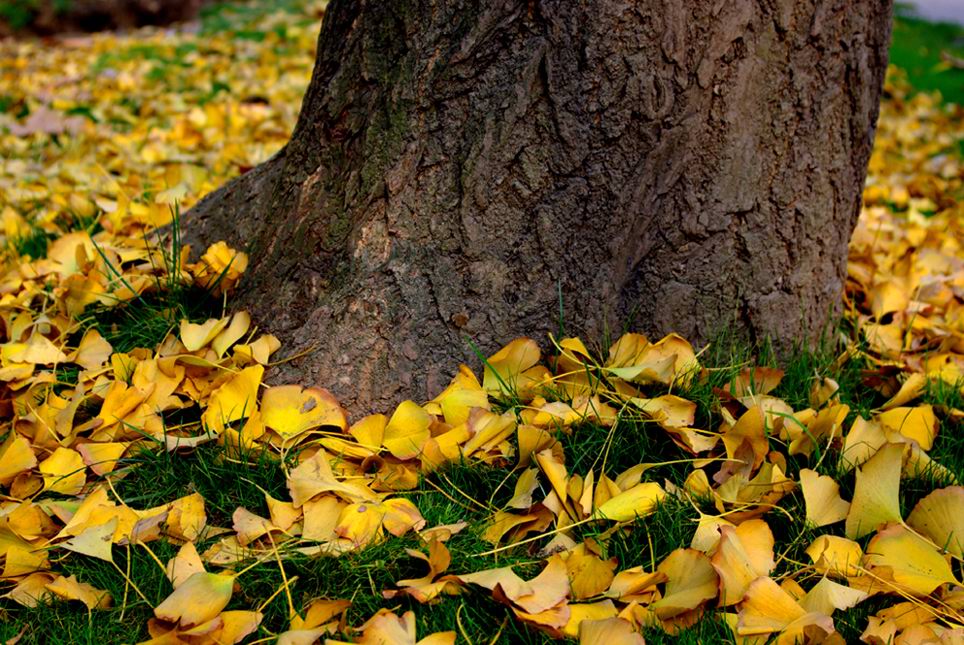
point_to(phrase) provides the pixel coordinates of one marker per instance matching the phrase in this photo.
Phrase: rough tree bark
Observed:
(459, 164)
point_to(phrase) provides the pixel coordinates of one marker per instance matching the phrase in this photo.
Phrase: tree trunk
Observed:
(462, 166)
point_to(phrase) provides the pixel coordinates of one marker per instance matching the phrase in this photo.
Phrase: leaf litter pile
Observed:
(156, 485)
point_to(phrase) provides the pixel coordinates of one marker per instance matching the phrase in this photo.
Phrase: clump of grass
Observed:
(146, 319)
(31, 244)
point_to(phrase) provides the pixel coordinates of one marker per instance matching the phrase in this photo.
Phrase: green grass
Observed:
(916, 47)
(32, 244)
(146, 319)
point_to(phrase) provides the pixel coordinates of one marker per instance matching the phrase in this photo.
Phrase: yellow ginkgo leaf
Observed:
(668, 410)
(385, 627)
(769, 609)
(63, 472)
(463, 393)
(319, 612)
(504, 369)
(15, 457)
(96, 541)
(940, 518)
(93, 350)
(913, 565)
(754, 381)
(407, 430)
(21, 561)
(589, 574)
(821, 391)
(235, 626)
(102, 457)
(691, 582)
(821, 495)
(638, 501)
(835, 555)
(38, 350)
(197, 600)
(185, 564)
(585, 612)
(238, 327)
(876, 500)
(70, 588)
(186, 517)
(236, 399)
(909, 390)
(827, 596)
(195, 336)
(290, 410)
(248, 526)
(608, 631)
(918, 424)
(744, 553)
(861, 443)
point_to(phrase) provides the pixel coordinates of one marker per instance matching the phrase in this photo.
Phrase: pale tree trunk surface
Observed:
(460, 163)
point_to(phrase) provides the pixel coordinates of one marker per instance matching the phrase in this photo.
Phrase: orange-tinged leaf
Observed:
(746, 442)
(668, 410)
(102, 457)
(754, 381)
